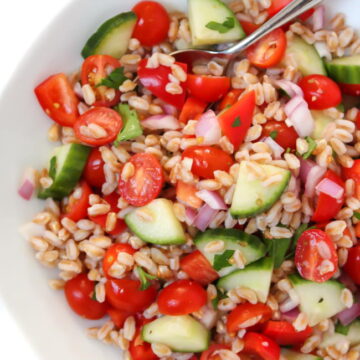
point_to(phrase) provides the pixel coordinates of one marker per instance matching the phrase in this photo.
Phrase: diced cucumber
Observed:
(163, 229)
(179, 333)
(256, 276)
(251, 197)
(112, 37)
(66, 167)
(321, 123)
(204, 12)
(345, 70)
(306, 57)
(131, 128)
(293, 355)
(319, 301)
(353, 336)
(250, 246)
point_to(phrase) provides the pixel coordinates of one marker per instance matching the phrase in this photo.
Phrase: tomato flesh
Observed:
(209, 353)
(94, 169)
(285, 136)
(191, 109)
(230, 99)
(352, 266)
(277, 5)
(186, 193)
(118, 317)
(139, 349)
(112, 253)
(261, 346)
(353, 173)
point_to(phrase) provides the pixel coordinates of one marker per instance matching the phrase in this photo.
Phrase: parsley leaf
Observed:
(222, 261)
(274, 134)
(277, 249)
(113, 80)
(288, 150)
(219, 296)
(222, 28)
(237, 122)
(357, 214)
(52, 167)
(93, 296)
(342, 329)
(144, 278)
(312, 145)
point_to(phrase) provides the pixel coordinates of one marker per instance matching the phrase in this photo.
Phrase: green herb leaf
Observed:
(222, 28)
(342, 329)
(144, 278)
(93, 296)
(357, 215)
(113, 80)
(237, 122)
(52, 167)
(274, 134)
(222, 261)
(277, 249)
(219, 296)
(312, 145)
(288, 150)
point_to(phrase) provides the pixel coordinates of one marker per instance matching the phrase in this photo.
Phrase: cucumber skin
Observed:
(58, 190)
(346, 74)
(103, 31)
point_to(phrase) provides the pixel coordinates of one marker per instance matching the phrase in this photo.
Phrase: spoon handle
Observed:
(290, 12)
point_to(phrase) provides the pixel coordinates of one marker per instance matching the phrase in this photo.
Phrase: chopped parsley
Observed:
(114, 79)
(219, 296)
(237, 122)
(342, 329)
(145, 278)
(357, 214)
(222, 28)
(222, 261)
(312, 145)
(274, 134)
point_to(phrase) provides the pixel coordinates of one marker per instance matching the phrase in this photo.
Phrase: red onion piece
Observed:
(290, 316)
(208, 128)
(190, 215)
(288, 305)
(289, 87)
(161, 122)
(212, 198)
(330, 188)
(345, 279)
(204, 217)
(169, 109)
(274, 146)
(347, 316)
(318, 18)
(313, 178)
(305, 167)
(28, 184)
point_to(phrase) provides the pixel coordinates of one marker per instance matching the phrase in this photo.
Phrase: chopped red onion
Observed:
(289, 87)
(288, 305)
(190, 215)
(204, 217)
(318, 18)
(323, 51)
(208, 128)
(161, 122)
(290, 316)
(305, 167)
(345, 279)
(313, 178)
(78, 90)
(347, 316)
(212, 198)
(169, 109)
(28, 184)
(274, 146)
(331, 188)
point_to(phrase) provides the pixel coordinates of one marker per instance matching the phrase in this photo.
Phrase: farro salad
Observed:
(207, 213)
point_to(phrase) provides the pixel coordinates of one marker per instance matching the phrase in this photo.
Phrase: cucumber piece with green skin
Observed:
(293, 355)
(318, 301)
(163, 229)
(345, 70)
(250, 246)
(112, 37)
(322, 122)
(251, 197)
(305, 56)
(131, 128)
(353, 336)
(179, 333)
(256, 276)
(204, 12)
(66, 166)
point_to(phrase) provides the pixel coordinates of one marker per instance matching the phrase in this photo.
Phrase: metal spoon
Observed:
(290, 12)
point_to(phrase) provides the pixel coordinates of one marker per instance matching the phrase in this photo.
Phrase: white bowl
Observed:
(54, 331)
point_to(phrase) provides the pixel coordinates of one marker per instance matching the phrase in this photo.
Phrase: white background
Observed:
(21, 22)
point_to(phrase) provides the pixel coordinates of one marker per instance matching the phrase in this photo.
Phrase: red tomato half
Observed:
(285, 136)
(96, 68)
(353, 173)
(182, 297)
(118, 317)
(236, 121)
(94, 169)
(208, 159)
(155, 80)
(79, 292)
(268, 51)
(320, 92)
(261, 346)
(146, 183)
(230, 99)
(352, 266)
(58, 99)
(309, 260)
(208, 354)
(208, 88)
(153, 23)
(244, 312)
(125, 294)
(278, 5)
(350, 89)
(112, 253)
(284, 333)
(191, 109)
(139, 349)
(197, 266)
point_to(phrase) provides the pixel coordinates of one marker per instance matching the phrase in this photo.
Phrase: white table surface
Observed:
(21, 22)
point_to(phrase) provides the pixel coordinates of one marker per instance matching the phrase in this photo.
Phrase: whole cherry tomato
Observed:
(94, 169)
(285, 136)
(352, 266)
(112, 253)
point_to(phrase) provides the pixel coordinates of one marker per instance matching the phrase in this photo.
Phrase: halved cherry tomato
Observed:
(209, 353)
(230, 99)
(139, 349)
(284, 333)
(208, 88)
(155, 80)
(352, 266)
(112, 199)
(236, 121)
(125, 294)
(309, 259)
(191, 109)
(268, 51)
(95, 68)
(353, 173)
(278, 5)
(208, 159)
(153, 23)
(285, 136)
(79, 293)
(244, 312)
(112, 253)
(146, 183)
(320, 92)
(197, 266)
(350, 89)
(118, 317)
(248, 26)
(186, 193)
(58, 99)
(261, 346)
(182, 297)
(76, 209)
(94, 169)
(108, 119)
(326, 206)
